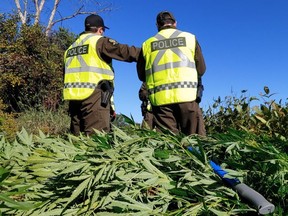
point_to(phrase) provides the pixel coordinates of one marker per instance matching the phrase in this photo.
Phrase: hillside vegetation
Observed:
(44, 170)
(141, 172)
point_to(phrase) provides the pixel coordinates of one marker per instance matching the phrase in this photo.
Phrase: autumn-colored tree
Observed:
(31, 52)
(31, 71)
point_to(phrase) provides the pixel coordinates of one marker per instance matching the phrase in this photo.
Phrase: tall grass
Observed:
(53, 122)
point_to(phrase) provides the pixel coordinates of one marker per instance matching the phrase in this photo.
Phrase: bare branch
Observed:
(22, 15)
(81, 8)
(38, 8)
(80, 12)
(76, 13)
(50, 22)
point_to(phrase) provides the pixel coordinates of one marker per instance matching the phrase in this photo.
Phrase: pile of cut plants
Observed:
(139, 173)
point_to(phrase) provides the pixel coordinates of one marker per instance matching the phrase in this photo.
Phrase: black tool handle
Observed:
(263, 206)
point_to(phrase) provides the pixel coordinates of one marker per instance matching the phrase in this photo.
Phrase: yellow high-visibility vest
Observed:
(171, 75)
(83, 68)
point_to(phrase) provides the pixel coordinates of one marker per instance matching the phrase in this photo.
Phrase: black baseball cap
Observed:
(164, 16)
(94, 21)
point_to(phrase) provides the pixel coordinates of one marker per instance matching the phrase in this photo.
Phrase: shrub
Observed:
(8, 123)
(31, 71)
(269, 117)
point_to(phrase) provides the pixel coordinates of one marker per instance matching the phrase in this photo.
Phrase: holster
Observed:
(107, 91)
(200, 89)
(144, 107)
(199, 95)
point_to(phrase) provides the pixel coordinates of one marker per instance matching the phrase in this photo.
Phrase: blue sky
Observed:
(244, 43)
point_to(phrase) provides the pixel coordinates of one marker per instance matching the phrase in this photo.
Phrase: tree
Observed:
(33, 9)
(31, 64)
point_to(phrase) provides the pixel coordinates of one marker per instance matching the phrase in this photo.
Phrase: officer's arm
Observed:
(199, 60)
(141, 67)
(114, 50)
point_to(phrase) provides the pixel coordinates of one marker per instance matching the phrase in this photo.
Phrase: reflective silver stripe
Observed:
(80, 85)
(83, 66)
(170, 86)
(169, 66)
(79, 57)
(185, 62)
(162, 52)
(89, 69)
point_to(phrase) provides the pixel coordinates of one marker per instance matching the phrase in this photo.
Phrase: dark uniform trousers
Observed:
(180, 117)
(148, 120)
(88, 114)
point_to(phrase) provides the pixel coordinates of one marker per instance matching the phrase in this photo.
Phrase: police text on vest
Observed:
(168, 43)
(79, 50)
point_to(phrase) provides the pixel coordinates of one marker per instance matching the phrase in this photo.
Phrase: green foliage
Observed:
(31, 71)
(269, 117)
(62, 38)
(132, 170)
(8, 123)
(263, 158)
(147, 173)
(53, 122)
(112, 174)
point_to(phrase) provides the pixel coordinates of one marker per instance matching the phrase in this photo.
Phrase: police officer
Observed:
(89, 75)
(146, 108)
(170, 63)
